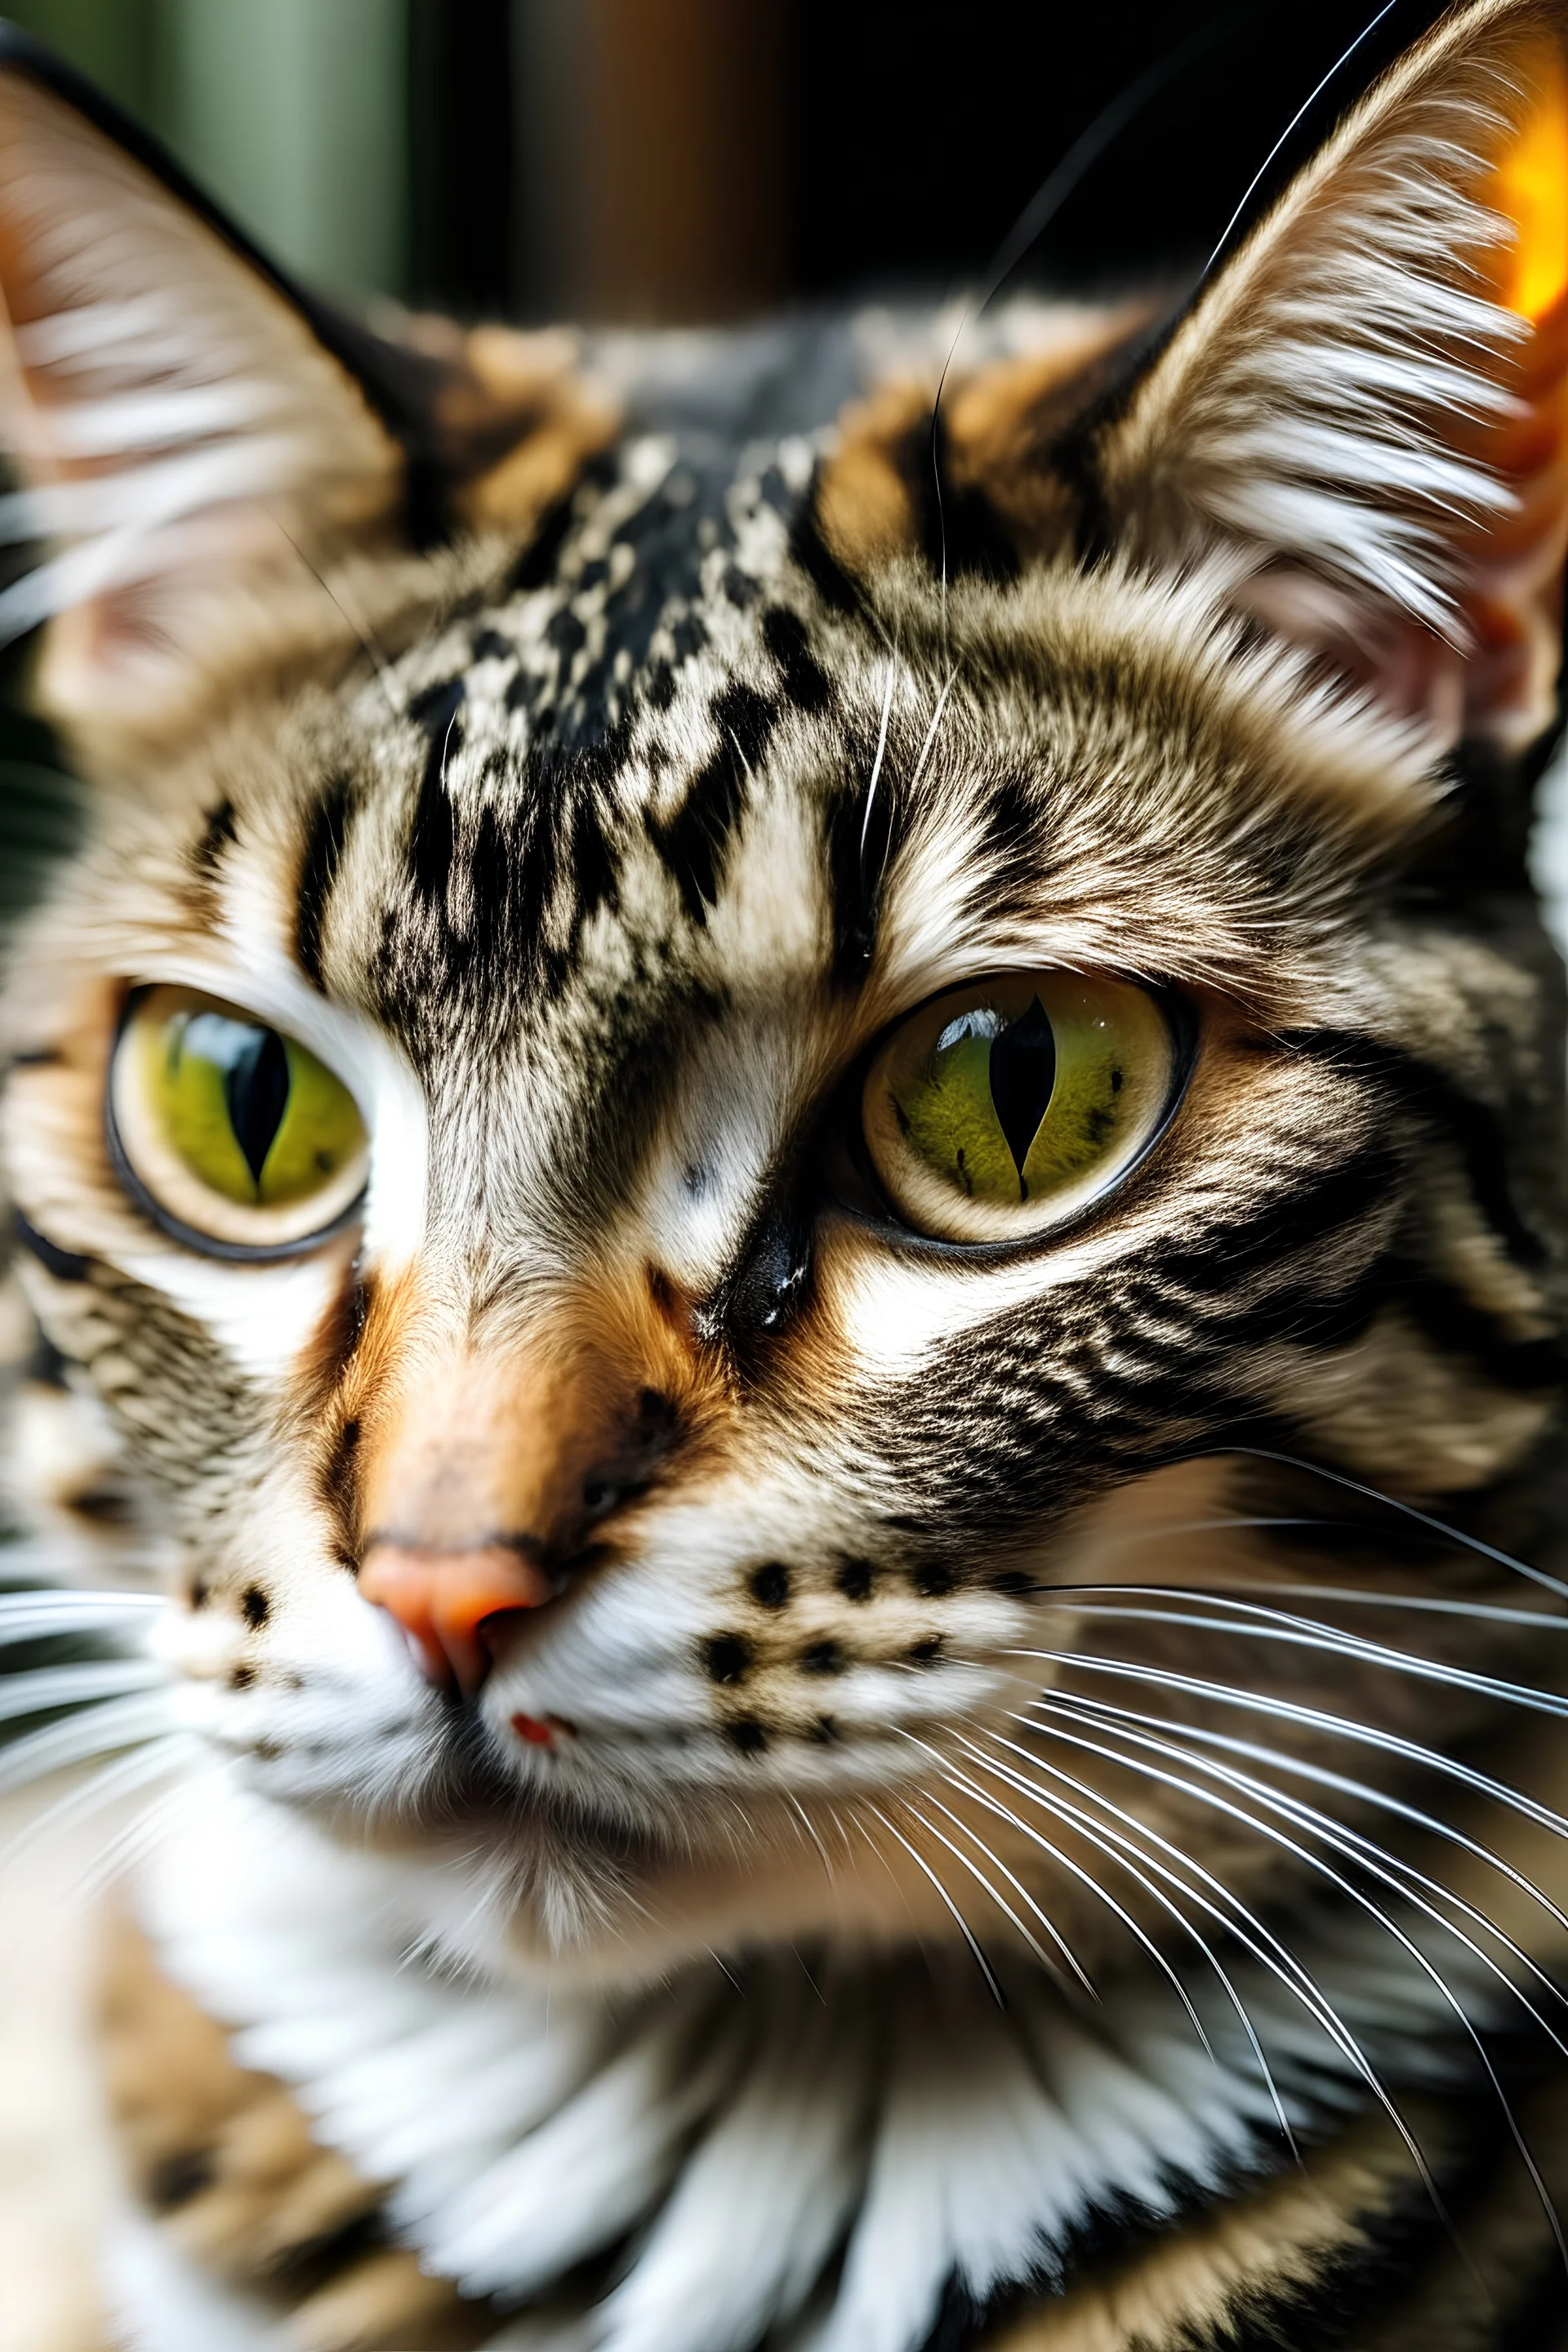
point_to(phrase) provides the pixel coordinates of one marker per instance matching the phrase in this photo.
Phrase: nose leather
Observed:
(483, 1472)
(443, 1599)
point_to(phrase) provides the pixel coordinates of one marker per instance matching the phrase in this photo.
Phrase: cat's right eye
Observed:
(235, 1138)
(1002, 1108)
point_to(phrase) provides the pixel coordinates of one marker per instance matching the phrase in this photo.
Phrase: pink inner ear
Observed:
(1497, 675)
(1508, 582)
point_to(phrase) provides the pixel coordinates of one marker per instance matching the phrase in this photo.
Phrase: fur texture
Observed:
(1028, 1811)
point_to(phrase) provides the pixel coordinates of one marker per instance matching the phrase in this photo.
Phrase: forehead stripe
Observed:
(319, 872)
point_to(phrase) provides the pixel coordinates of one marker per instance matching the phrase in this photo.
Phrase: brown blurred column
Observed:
(653, 142)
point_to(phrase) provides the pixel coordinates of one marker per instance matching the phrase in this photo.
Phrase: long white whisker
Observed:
(143, 1764)
(810, 1828)
(143, 1767)
(1404, 1510)
(1276, 1958)
(44, 1687)
(1045, 1958)
(1418, 1604)
(1102, 1844)
(881, 750)
(963, 1927)
(1400, 1877)
(1279, 1625)
(927, 745)
(1375, 1911)
(120, 1723)
(33, 1615)
(1300, 1768)
(1390, 1743)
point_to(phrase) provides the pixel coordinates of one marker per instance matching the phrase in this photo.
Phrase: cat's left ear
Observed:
(226, 474)
(1368, 404)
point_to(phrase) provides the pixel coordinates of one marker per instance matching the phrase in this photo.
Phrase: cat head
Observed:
(739, 1120)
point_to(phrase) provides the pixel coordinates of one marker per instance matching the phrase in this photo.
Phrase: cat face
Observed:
(685, 1174)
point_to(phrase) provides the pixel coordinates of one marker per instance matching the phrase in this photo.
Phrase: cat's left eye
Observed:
(1002, 1108)
(234, 1135)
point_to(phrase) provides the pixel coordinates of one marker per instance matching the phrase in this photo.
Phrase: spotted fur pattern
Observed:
(1032, 1818)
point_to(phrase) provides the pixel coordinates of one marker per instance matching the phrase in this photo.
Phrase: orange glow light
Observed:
(1530, 187)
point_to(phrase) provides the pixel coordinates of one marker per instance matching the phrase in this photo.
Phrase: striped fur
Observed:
(1033, 1819)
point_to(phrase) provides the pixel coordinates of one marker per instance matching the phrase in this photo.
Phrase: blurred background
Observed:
(678, 159)
(682, 159)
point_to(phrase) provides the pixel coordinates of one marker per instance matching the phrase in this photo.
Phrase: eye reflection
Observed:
(1004, 1106)
(230, 1132)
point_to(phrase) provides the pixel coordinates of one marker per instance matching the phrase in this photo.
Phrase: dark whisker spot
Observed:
(822, 1658)
(746, 1734)
(255, 1607)
(932, 1581)
(769, 1584)
(728, 1657)
(855, 1579)
(927, 1653)
(174, 2180)
(242, 1677)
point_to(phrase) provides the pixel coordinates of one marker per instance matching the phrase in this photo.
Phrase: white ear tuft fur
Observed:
(184, 438)
(1371, 399)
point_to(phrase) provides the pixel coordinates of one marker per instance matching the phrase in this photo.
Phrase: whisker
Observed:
(1047, 1962)
(1257, 180)
(1392, 1870)
(1418, 1604)
(49, 1686)
(359, 629)
(1255, 1938)
(34, 1614)
(1405, 1510)
(1118, 1849)
(1127, 1859)
(809, 1827)
(120, 1723)
(881, 752)
(1391, 1743)
(963, 1927)
(1306, 1633)
(140, 1766)
(1375, 1911)
(34, 1563)
(1367, 1792)
(926, 747)
(1048, 200)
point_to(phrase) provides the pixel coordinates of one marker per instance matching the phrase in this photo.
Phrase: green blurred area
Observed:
(294, 114)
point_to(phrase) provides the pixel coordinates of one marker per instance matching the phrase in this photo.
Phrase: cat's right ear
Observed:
(1363, 411)
(202, 445)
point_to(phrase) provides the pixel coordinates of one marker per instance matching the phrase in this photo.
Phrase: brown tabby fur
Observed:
(1219, 665)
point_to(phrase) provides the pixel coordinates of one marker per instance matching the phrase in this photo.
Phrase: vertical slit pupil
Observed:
(255, 1089)
(1023, 1071)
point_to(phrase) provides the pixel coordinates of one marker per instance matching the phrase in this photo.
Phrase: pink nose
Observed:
(444, 1599)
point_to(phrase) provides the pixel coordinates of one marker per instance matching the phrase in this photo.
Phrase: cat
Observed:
(804, 1146)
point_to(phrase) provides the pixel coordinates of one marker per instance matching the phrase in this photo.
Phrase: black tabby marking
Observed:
(807, 684)
(219, 830)
(694, 844)
(66, 1266)
(319, 869)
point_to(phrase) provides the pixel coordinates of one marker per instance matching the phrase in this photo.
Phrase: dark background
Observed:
(683, 159)
(883, 143)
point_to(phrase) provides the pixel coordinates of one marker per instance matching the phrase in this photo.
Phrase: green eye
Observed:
(1004, 1106)
(236, 1132)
